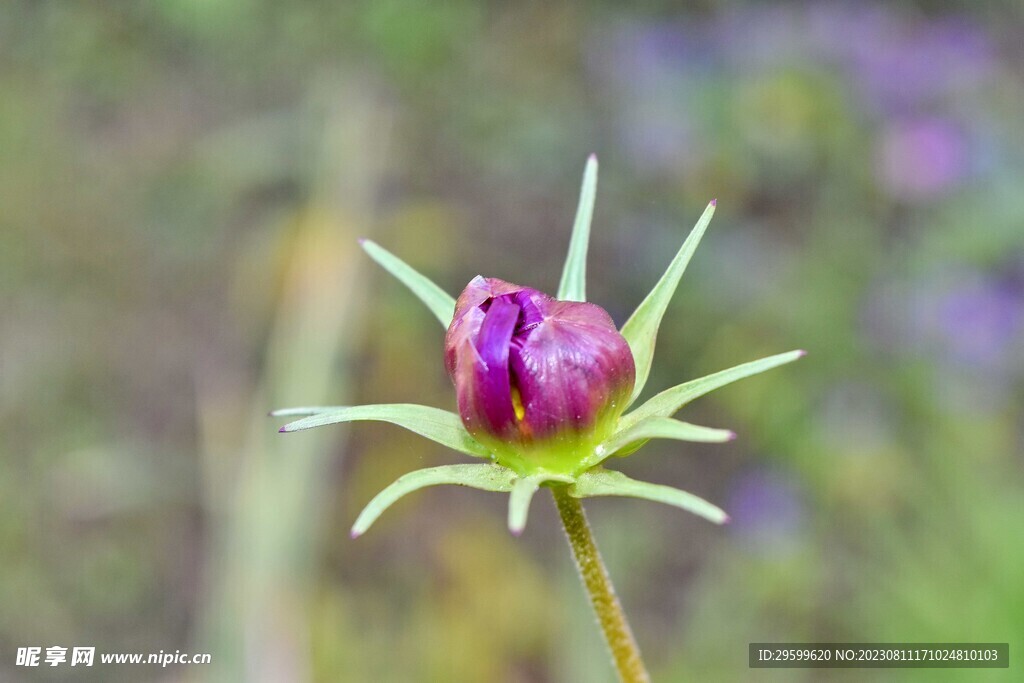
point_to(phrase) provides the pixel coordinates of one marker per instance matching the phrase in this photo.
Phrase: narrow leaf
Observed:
(669, 401)
(573, 285)
(435, 424)
(440, 303)
(484, 477)
(611, 483)
(641, 330)
(628, 440)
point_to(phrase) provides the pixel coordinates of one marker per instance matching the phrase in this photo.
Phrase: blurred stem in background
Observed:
(265, 495)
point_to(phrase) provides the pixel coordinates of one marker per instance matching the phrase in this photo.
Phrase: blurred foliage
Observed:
(164, 166)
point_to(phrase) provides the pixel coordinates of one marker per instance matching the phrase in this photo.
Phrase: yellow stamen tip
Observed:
(517, 404)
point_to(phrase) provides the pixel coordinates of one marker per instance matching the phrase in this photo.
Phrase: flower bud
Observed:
(540, 382)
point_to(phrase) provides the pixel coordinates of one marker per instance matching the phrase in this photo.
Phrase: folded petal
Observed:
(487, 398)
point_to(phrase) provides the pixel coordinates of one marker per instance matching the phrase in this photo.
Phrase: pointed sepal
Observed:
(627, 441)
(669, 401)
(483, 477)
(641, 330)
(602, 482)
(301, 411)
(440, 303)
(573, 285)
(523, 489)
(438, 425)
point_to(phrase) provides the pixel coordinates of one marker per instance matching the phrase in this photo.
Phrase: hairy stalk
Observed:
(617, 634)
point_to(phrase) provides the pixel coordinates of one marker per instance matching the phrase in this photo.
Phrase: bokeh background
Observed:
(182, 184)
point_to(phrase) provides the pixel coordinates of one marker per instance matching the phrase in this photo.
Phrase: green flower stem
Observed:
(617, 634)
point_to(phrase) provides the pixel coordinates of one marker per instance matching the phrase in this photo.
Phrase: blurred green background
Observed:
(182, 184)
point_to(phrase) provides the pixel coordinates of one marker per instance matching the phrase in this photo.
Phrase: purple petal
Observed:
(530, 301)
(571, 368)
(491, 372)
(469, 314)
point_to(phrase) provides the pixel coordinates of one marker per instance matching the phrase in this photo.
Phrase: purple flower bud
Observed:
(530, 370)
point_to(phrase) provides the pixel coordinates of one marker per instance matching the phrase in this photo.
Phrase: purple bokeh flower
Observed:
(528, 368)
(981, 321)
(654, 69)
(765, 507)
(963, 318)
(922, 159)
(664, 79)
(898, 64)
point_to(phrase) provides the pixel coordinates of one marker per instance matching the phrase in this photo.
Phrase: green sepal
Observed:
(438, 425)
(304, 410)
(483, 477)
(440, 303)
(669, 401)
(601, 482)
(523, 489)
(641, 330)
(573, 285)
(627, 441)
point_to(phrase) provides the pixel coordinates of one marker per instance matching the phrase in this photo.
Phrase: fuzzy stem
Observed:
(617, 634)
